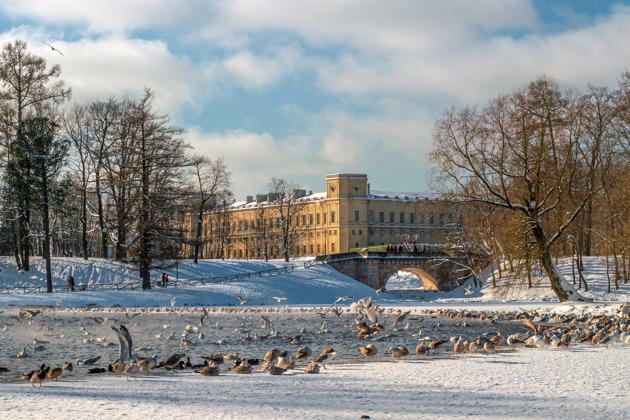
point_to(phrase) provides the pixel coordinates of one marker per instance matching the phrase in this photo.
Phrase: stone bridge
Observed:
(438, 270)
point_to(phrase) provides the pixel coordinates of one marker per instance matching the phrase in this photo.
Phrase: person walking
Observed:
(70, 287)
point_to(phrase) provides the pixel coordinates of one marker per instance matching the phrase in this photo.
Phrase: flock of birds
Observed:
(540, 330)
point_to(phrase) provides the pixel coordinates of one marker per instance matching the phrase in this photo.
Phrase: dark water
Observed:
(65, 332)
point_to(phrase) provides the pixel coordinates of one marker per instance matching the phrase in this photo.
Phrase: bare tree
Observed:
(213, 183)
(520, 153)
(27, 90)
(287, 207)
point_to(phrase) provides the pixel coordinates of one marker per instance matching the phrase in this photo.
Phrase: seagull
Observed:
(53, 48)
(340, 299)
(173, 301)
(203, 317)
(279, 299)
(468, 290)
(382, 290)
(243, 302)
(126, 344)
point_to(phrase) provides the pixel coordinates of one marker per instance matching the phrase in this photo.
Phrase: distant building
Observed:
(347, 217)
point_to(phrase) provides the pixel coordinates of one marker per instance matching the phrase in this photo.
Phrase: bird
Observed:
(172, 361)
(421, 349)
(400, 318)
(125, 343)
(209, 371)
(90, 361)
(39, 376)
(118, 367)
(325, 357)
(242, 369)
(303, 353)
(396, 353)
(459, 346)
(279, 299)
(243, 302)
(92, 371)
(202, 318)
(286, 364)
(468, 290)
(131, 369)
(53, 48)
(276, 370)
(435, 345)
(404, 350)
(55, 373)
(145, 365)
(341, 299)
(173, 301)
(312, 368)
(368, 351)
(23, 353)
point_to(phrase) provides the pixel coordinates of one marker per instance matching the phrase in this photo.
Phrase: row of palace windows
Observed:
(392, 233)
(444, 219)
(303, 220)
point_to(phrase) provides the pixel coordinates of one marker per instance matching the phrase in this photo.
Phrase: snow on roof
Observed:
(406, 195)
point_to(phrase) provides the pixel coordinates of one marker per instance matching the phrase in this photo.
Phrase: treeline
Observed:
(545, 172)
(108, 178)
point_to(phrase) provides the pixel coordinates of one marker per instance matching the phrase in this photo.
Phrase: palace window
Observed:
(371, 217)
(381, 217)
(310, 219)
(391, 217)
(325, 214)
(412, 218)
(332, 247)
(332, 217)
(319, 218)
(356, 216)
(402, 218)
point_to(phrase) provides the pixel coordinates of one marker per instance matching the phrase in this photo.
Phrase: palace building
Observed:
(349, 216)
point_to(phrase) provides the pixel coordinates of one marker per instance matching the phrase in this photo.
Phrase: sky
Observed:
(302, 89)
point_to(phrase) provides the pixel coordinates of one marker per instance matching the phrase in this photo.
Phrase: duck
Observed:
(39, 376)
(489, 347)
(368, 351)
(55, 373)
(92, 371)
(67, 366)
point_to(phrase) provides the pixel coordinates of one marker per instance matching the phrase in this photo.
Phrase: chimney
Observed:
(249, 199)
(261, 198)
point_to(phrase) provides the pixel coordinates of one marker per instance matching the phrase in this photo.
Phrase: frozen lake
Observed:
(74, 335)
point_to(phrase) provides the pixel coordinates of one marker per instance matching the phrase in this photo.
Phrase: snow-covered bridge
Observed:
(438, 270)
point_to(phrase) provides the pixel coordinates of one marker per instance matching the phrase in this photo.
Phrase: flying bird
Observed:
(204, 315)
(279, 299)
(243, 302)
(53, 48)
(468, 290)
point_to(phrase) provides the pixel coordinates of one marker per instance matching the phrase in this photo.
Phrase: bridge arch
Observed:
(428, 281)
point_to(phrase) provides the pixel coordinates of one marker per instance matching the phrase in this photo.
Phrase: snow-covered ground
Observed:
(315, 285)
(583, 382)
(579, 382)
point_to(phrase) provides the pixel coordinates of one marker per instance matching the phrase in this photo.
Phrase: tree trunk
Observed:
(84, 234)
(199, 230)
(101, 217)
(46, 236)
(561, 290)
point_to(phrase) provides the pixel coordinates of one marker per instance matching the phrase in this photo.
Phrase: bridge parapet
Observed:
(437, 269)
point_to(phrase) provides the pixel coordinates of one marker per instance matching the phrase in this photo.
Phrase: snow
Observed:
(583, 382)
(580, 382)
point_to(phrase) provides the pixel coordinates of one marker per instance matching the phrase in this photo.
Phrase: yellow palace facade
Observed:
(347, 217)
